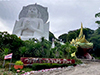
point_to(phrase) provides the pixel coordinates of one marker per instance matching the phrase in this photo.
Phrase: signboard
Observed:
(28, 60)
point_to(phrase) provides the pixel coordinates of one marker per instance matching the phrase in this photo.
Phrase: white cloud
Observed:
(3, 27)
(64, 15)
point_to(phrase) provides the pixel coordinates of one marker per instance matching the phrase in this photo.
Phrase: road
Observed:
(89, 68)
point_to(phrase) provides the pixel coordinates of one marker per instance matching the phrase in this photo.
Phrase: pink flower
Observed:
(23, 71)
(18, 71)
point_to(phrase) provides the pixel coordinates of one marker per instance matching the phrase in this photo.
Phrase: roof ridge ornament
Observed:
(81, 31)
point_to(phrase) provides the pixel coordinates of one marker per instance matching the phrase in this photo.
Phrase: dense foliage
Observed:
(9, 43)
(32, 48)
(73, 34)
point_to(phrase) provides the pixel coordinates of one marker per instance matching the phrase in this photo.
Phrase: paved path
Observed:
(89, 68)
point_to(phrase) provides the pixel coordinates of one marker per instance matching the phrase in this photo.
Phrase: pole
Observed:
(10, 64)
(3, 63)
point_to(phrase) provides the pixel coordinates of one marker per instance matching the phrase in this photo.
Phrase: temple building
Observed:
(83, 46)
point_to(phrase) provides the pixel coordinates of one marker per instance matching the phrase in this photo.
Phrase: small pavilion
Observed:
(83, 46)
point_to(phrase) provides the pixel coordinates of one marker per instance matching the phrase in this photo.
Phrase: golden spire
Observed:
(81, 31)
(83, 40)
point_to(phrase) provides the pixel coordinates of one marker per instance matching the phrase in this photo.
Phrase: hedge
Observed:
(39, 66)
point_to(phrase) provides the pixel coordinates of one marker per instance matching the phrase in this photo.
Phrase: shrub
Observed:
(78, 61)
(19, 63)
(13, 69)
(39, 66)
(7, 65)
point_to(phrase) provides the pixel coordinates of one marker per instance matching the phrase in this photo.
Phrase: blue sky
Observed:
(64, 15)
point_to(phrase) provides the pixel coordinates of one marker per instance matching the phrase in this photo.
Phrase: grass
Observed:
(5, 72)
(13, 71)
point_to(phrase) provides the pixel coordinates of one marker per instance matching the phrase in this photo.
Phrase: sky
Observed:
(64, 15)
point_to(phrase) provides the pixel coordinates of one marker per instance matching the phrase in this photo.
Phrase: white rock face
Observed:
(32, 23)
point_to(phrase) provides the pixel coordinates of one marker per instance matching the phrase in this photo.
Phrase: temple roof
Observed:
(81, 41)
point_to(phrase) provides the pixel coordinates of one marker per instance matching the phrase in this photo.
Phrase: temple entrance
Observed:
(80, 53)
(83, 53)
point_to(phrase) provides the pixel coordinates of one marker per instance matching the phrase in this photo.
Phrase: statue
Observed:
(32, 23)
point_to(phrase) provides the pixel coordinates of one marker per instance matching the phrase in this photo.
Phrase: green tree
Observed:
(51, 35)
(4, 52)
(63, 37)
(97, 15)
(88, 32)
(22, 50)
(11, 42)
(71, 36)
